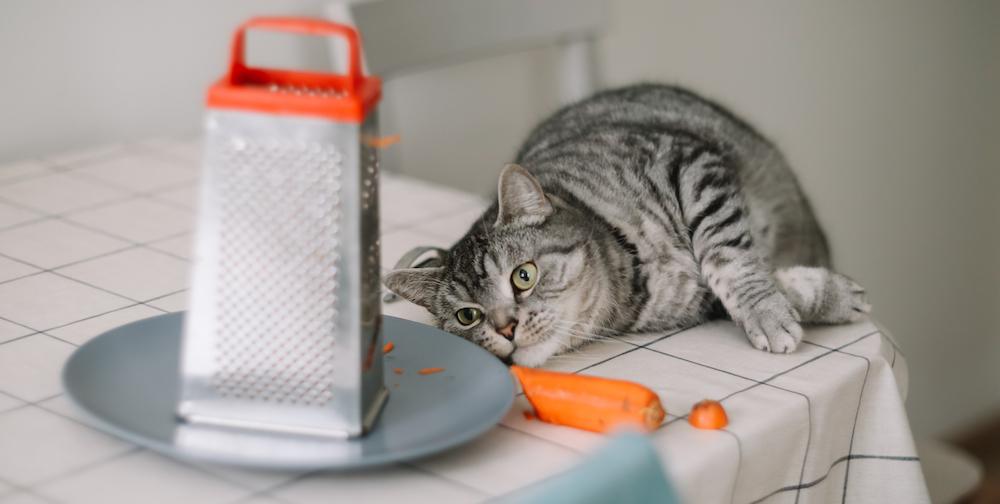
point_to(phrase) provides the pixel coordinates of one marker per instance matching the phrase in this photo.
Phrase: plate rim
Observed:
(172, 450)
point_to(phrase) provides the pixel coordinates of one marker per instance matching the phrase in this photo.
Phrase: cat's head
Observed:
(525, 282)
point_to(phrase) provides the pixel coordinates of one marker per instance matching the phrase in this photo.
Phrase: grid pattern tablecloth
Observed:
(95, 239)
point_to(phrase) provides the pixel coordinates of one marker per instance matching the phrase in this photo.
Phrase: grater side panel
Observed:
(278, 261)
(272, 311)
(370, 292)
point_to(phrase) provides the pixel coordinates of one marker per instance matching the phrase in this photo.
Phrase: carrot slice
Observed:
(589, 402)
(388, 347)
(708, 414)
(398, 370)
(430, 370)
(380, 142)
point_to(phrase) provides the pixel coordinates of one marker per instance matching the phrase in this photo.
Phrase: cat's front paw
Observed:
(849, 301)
(822, 296)
(772, 325)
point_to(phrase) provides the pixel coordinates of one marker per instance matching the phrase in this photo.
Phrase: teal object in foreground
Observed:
(127, 380)
(625, 471)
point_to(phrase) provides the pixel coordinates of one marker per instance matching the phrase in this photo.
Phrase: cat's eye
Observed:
(468, 316)
(524, 276)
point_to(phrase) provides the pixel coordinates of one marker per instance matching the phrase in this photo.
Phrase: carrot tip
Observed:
(653, 416)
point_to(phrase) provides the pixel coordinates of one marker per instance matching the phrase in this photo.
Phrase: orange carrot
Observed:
(430, 370)
(388, 347)
(379, 142)
(528, 415)
(589, 402)
(708, 414)
(398, 370)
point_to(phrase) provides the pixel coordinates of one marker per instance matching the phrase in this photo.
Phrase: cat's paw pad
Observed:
(773, 326)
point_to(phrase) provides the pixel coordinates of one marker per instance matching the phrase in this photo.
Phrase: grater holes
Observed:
(369, 201)
(277, 270)
(371, 270)
(317, 91)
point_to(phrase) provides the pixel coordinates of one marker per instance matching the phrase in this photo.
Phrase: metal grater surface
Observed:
(371, 271)
(277, 270)
(283, 331)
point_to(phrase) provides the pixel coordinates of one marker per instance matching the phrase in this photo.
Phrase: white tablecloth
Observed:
(91, 240)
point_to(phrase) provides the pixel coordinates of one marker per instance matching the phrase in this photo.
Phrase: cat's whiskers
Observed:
(575, 334)
(574, 328)
(568, 338)
(587, 328)
(569, 355)
(670, 323)
(580, 334)
(577, 325)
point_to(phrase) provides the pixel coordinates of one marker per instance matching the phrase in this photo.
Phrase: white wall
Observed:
(73, 74)
(887, 110)
(882, 107)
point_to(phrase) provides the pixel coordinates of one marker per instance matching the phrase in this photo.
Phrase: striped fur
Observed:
(645, 208)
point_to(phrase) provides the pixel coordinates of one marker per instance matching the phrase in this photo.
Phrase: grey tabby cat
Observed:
(641, 209)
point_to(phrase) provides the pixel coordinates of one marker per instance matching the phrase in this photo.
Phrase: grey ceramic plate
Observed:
(127, 380)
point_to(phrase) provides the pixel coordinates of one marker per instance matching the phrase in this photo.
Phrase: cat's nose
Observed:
(508, 330)
(504, 320)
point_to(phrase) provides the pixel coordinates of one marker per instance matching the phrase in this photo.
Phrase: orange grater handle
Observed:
(304, 26)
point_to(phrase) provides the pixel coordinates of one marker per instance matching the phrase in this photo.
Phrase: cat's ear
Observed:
(521, 198)
(416, 285)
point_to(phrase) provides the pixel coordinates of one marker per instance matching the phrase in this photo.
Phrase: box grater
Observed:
(283, 331)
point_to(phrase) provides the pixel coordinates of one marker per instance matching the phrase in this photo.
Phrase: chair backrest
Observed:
(402, 37)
